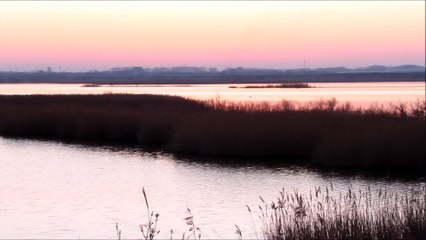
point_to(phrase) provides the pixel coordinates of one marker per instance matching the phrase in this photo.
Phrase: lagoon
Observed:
(56, 190)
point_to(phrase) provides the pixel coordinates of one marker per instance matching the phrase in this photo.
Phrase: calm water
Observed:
(360, 94)
(55, 190)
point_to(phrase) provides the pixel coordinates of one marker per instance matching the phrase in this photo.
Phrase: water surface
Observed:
(56, 190)
(360, 94)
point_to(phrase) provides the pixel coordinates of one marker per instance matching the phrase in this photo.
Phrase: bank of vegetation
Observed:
(356, 214)
(323, 133)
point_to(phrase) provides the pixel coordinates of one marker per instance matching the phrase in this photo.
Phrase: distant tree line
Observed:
(176, 75)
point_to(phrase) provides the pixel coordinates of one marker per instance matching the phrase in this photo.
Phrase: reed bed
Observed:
(362, 214)
(322, 133)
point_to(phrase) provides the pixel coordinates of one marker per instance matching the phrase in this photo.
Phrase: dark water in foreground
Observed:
(55, 190)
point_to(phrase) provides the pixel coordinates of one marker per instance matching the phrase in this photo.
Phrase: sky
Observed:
(81, 36)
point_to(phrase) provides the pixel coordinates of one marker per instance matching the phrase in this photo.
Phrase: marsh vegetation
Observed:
(322, 133)
(356, 214)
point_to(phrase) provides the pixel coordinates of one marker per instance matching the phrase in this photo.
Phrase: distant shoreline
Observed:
(206, 78)
(102, 84)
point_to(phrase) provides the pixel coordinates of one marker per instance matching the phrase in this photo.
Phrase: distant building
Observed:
(49, 69)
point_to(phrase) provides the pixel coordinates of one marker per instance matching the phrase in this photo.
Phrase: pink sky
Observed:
(71, 35)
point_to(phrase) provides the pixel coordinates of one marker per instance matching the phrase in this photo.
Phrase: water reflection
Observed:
(56, 190)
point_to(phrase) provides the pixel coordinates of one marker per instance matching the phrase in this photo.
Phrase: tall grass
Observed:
(363, 214)
(150, 229)
(321, 133)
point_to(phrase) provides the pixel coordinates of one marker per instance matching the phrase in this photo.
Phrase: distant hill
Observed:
(370, 69)
(402, 68)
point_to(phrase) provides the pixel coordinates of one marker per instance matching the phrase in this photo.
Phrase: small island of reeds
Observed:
(323, 133)
(91, 85)
(277, 85)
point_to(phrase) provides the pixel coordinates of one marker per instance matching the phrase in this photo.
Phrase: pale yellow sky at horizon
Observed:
(280, 34)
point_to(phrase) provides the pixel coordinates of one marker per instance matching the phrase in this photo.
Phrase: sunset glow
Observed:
(72, 35)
